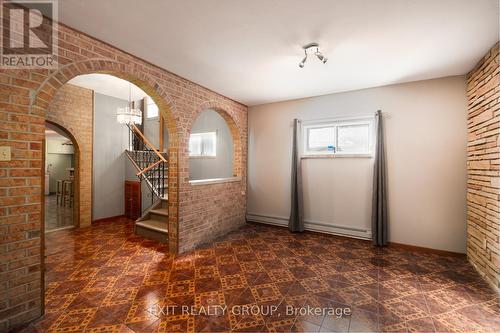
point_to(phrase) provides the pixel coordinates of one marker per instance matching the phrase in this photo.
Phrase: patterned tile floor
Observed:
(256, 279)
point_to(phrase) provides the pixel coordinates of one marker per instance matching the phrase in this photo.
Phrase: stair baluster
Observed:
(152, 168)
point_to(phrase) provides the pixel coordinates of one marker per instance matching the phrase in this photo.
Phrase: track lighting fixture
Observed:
(312, 48)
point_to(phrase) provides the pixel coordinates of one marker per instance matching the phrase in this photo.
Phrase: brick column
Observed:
(73, 109)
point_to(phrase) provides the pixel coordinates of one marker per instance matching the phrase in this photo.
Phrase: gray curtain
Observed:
(379, 200)
(296, 222)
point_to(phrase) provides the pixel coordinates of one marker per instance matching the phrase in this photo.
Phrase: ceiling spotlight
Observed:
(321, 57)
(312, 48)
(303, 62)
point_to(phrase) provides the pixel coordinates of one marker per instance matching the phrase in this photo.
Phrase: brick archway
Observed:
(229, 118)
(25, 97)
(41, 98)
(77, 181)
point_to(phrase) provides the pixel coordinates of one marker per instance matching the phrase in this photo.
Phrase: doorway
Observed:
(60, 199)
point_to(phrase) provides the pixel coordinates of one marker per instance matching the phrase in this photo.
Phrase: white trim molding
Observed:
(214, 181)
(337, 155)
(322, 227)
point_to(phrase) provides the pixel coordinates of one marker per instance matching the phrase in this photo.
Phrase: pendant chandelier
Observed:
(129, 115)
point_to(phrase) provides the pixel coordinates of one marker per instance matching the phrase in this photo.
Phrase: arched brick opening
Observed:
(77, 181)
(41, 98)
(233, 128)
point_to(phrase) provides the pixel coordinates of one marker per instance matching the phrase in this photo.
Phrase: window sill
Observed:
(337, 156)
(214, 181)
(203, 157)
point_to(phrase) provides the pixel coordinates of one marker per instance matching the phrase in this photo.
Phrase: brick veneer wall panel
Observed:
(483, 165)
(72, 108)
(196, 213)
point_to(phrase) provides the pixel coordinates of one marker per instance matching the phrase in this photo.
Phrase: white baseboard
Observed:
(316, 226)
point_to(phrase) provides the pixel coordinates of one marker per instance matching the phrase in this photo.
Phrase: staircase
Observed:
(152, 169)
(154, 223)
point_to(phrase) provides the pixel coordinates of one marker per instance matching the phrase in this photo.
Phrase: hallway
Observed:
(105, 278)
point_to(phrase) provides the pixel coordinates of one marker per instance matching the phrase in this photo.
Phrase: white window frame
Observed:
(336, 123)
(203, 155)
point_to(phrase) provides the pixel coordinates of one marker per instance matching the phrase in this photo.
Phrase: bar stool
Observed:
(71, 172)
(68, 193)
(59, 191)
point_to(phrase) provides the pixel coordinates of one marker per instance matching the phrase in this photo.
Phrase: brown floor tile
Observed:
(212, 323)
(110, 315)
(207, 284)
(364, 321)
(176, 324)
(87, 300)
(424, 324)
(239, 297)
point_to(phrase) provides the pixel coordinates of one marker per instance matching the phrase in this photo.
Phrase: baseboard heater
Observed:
(321, 227)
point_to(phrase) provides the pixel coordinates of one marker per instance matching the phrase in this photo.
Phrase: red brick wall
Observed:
(72, 108)
(196, 213)
(483, 165)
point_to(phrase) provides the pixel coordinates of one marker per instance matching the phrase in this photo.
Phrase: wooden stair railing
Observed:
(147, 142)
(151, 165)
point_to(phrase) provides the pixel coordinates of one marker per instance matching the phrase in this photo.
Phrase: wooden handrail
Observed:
(149, 167)
(146, 141)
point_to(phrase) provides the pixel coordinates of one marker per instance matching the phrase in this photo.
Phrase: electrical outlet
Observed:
(5, 153)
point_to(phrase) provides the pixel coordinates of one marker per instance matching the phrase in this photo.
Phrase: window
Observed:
(320, 139)
(203, 144)
(338, 137)
(353, 138)
(151, 108)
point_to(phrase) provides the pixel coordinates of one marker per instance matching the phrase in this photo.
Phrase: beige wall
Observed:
(426, 150)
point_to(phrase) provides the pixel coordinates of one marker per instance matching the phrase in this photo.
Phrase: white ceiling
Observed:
(250, 50)
(109, 85)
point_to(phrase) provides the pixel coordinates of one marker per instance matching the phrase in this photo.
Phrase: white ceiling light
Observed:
(312, 48)
(128, 114)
